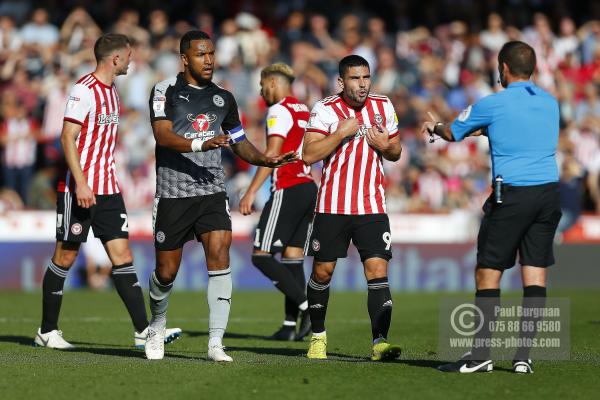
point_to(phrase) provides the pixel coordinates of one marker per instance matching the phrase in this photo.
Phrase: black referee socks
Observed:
(128, 287)
(379, 303)
(486, 300)
(533, 297)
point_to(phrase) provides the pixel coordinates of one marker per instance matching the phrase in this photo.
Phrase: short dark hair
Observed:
(520, 58)
(108, 43)
(350, 61)
(186, 39)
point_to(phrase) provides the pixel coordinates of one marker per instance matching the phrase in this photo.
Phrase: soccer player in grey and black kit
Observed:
(192, 118)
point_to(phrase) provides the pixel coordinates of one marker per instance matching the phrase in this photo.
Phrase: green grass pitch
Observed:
(106, 366)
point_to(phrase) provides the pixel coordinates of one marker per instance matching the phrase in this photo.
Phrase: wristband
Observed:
(197, 145)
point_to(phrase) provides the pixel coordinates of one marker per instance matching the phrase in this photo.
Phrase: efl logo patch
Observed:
(465, 114)
(76, 229)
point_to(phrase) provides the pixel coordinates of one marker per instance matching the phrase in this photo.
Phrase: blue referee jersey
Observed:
(522, 125)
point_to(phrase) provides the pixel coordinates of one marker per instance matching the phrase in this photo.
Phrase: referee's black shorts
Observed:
(526, 222)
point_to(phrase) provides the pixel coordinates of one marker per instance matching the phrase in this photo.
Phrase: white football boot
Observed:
(155, 344)
(52, 339)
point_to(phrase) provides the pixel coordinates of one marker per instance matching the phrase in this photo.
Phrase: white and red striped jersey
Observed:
(287, 119)
(352, 181)
(94, 106)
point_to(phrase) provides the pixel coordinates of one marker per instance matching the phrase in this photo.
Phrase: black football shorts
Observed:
(330, 235)
(178, 220)
(524, 223)
(285, 218)
(108, 218)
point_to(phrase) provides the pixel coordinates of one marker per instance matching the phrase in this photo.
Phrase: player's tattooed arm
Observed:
(83, 192)
(247, 152)
(165, 137)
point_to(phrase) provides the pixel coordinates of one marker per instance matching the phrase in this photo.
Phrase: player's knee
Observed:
(218, 260)
(65, 260)
(166, 276)
(375, 270)
(322, 275)
(123, 256)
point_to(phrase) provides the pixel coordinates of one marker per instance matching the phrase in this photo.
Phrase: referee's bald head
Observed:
(519, 57)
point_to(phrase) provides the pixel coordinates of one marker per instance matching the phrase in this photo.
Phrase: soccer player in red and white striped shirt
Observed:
(89, 194)
(351, 131)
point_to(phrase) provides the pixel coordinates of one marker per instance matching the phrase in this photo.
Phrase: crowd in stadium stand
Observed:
(442, 68)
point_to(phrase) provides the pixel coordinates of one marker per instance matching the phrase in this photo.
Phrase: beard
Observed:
(198, 78)
(122, 71)
(355, 97)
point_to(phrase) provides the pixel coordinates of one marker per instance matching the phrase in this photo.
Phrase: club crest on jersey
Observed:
(378, 119)
(218, 100)
(316, 245)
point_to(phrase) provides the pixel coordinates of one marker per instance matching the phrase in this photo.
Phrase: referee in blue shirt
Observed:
(522, 214)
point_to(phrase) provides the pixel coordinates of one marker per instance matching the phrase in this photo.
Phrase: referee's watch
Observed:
(438, 129)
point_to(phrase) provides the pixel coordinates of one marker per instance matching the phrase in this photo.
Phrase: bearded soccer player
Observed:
(352, 132)
(285, 218)
(89, 194)
(192, 118)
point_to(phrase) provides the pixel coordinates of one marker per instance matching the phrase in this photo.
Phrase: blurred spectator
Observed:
(571, 191)
(42, 190)
(227, 46)
(39, 31)
(18, 135)
(589, 106)
(441, 66)
(494, 36)
(10, 39)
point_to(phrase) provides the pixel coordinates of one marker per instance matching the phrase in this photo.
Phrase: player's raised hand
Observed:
(378, 137)
(246, 203)
(428, 126)
(282, 159)
(215, 143)
(85, 196)
(348, 127)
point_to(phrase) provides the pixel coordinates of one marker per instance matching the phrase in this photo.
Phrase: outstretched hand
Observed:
(282, 159)
(428, 126)
(215, 143)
